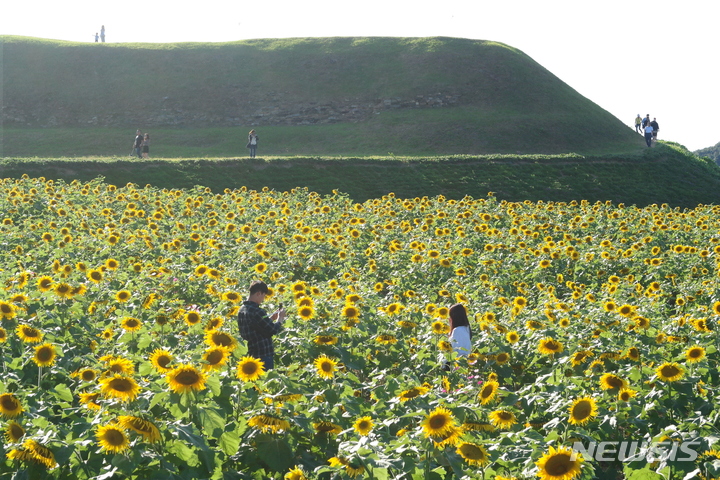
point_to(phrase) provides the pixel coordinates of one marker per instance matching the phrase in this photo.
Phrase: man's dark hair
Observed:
(258, 286)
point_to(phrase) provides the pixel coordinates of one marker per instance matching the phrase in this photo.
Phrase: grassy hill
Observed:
(304, 96)
(664, 174)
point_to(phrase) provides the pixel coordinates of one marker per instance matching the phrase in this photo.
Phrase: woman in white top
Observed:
(460, 332)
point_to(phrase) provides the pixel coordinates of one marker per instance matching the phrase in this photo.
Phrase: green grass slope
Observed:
(665, 174)
(305, 96)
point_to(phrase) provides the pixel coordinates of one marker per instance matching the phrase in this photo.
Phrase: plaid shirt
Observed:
(257, 329)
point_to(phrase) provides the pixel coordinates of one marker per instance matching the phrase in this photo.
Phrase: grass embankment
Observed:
(665, 174)
(358, 96)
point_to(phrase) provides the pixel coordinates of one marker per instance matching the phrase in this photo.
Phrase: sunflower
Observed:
(250, 369)
(440, 328)
(215, 358)
(185, 378)
(29, 334)
(7, 310)
(34, 452)
(469, 426)
(488, 392)
(325, 366)
(351, 311)
(112, 438)
(295, 473)
(161, 359)
(512, 337)
(220, 339)
(118, 365)
(352, 469)
(412, 393)
(14, 432)
(327, 427)
(670, 372)
(582, 411)
(123, 296)
(473, 454)
(502, 358)
(306, 312)
(3, 335)
(86, 374)
(95, 275)
(560, 464)
(609, 381)
(10, 406)
(386, 339)
(695, 354)
(233, 297)
(550, 346)
(192, 318)
(216, 322)
(44, 355)
(438, 422)
(626, 394)
(118, 386)
(44, 283)
(325, 340)
(112, 264)
(503, 418)
(146, 428)
(363, 426)
(90, 400)
(269, 423)
(131, 324)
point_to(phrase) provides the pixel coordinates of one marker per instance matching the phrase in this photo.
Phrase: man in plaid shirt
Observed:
(256, 327)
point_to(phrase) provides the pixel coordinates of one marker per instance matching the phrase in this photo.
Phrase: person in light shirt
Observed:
(649, 134)
(460, 331)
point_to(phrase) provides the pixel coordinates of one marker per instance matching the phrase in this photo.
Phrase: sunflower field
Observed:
(121, 359)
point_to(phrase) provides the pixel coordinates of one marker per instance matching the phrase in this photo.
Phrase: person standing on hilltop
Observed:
(252, 143)
(638, 122)
(102, 34)
(656, 127)
(96, 37)
(648, 134)
(645, 121)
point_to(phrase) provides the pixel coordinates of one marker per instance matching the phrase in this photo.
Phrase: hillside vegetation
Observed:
(665, 174)
(305, 96)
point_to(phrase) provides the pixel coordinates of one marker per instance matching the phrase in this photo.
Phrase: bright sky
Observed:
(629, 57)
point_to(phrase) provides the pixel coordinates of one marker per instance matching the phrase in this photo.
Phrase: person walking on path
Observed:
(645, 121)
(137, 145)
(252, 143)
(102, 34)
(146, 146)
(96, 37)
(638, 122)
(257, 328)
(648, 134)
(656, 127)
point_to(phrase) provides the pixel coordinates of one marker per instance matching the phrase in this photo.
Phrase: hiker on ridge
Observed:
(102, 34)
(638, 122)
(137, 145)
(656, 127)
(648, 134)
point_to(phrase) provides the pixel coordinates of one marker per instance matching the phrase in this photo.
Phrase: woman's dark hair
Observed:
(458, 317)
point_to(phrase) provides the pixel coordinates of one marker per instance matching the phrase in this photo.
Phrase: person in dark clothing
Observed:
(137, 146)
(656, 127)
(645, 121)
(257, 328)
